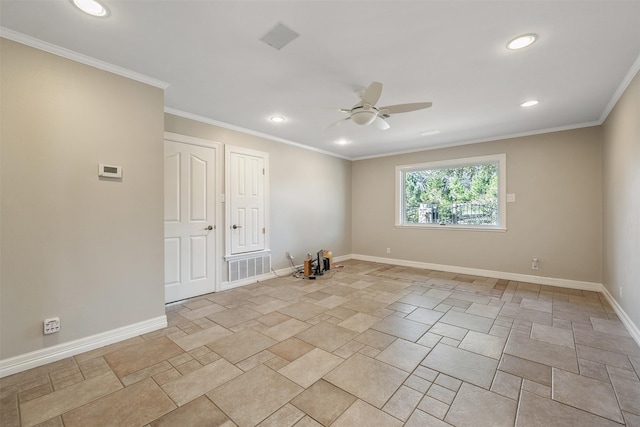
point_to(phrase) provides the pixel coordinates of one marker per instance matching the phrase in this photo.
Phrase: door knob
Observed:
(236, 226)
(209, 228)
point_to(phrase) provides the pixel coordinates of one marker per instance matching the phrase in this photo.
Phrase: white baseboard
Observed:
(539, 280)
(628, 323)
(61, 351)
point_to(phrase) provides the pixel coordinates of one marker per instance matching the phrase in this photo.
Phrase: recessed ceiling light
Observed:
(430, 132)
(92, 7)
(521, 41)
(530, 103)
(342, 142)
(277, 119)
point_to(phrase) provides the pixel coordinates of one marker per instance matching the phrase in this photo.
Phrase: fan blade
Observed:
(381, 123)
(325, 107)
(372, 94)
(404, 108)
(338, 123)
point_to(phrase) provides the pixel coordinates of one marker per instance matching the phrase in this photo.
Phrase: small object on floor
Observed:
(337, 266)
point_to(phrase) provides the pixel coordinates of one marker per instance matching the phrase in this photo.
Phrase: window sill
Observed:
(452, 227)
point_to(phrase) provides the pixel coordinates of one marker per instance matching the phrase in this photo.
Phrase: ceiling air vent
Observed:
(279, 36)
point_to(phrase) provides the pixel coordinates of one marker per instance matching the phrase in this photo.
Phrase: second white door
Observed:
(189, 218)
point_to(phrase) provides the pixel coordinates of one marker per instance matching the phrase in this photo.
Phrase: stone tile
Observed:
(53, 404)
(375, 339)
(234, 316)
(291, 348)
(613, 327)
(369, 379)
(422, 419)
(403, 354)
(241, 345)
(470, 408)
(198, 412)
(98, 352)
(536, 388)
(402, 403)
(424, 315)
(429, 340)
(138, 404)
(332, 301)
(323, 401)
(327, 336)
(441, 393)
(551, 335)
(198, 339)
(199, 382)
(628, 391)
(309, 368)
(146, 373)
(506, 385)
(537, 351)
(632, 420)
(449, 331)
(584, 335)
(364, 305)
(536, 411)
(462, 364)
(204, 311)
(35, 392)
(307, 421)
(604, 357)
(286, 329)
(514, 311)
(434, 407)
(271, 306)
(286, 416)
(359, 322)
(593, 370)
(526, 369)
(272, 318)
(254, 395)
(467, 321)
(418, 383)
(142, 355)
(403, 328)
(587, 394)
(302, 310)
(531, 304)
(363, 414)
(448, 382)
(635, 361)
(484, 344)
(483, 310)
(420, 301)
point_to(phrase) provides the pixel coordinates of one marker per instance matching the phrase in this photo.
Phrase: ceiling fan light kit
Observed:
(365, 112)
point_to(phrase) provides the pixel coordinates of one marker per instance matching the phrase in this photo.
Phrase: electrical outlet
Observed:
(535, 264)
(287, 254)
(388, 250)
(52, 325)
(620, 291)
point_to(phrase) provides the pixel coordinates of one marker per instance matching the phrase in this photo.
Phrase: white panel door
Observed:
(189, 218)
(247, 202)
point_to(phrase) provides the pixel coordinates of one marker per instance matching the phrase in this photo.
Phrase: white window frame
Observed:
(501, 159)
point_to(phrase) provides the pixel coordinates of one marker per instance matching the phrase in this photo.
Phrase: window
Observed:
(461, 193)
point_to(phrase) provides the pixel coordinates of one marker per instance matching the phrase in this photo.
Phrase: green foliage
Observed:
(466, 194)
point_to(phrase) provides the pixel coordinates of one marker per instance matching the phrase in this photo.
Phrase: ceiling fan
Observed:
(365, 112)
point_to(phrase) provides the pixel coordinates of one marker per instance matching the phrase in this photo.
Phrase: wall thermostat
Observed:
(109, 171)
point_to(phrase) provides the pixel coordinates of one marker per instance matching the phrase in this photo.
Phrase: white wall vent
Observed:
(249, 267)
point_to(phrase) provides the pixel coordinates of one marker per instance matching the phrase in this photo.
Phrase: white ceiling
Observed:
(451, 53)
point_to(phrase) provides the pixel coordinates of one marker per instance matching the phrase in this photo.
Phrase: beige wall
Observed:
(73, 246)
(556, 178)
(310, 193)
(621, 201)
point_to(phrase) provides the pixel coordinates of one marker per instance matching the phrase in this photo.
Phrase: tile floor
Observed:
(366, 345)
